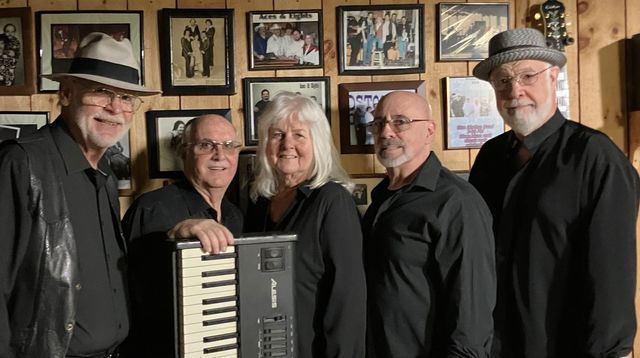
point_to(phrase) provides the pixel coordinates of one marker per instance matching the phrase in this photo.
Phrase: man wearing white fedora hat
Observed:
(62, 255)
(564, 200)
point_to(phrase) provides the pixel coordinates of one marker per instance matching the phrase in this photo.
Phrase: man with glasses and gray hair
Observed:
(428, 245)
(564, 201)
(195, 207)
(62, 252)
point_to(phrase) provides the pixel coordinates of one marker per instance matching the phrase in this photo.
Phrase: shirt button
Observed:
(78, 286)
(69, 326)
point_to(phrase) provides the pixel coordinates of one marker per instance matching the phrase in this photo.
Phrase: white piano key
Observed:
(224, 328)
(197, 252)
(199, 280)
(200, 346)
(195, 318)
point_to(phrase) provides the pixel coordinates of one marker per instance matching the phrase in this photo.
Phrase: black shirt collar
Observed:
(533, 140)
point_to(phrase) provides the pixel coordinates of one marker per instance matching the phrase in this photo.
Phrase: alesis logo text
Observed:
(274, 293)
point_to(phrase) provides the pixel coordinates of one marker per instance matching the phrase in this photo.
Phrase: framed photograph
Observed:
(471, 114)
(285, 39)
(14, 125)
(238, 191)
(466, 28)
(16, 60)
(164, 135)
(258, 92)
(357, 103)
(380, 39)
(119, 158)
(59, 34)
(196, 52)
(362, 192)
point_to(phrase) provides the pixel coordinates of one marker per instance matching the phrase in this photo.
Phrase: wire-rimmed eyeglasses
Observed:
(398, 123)
(208, 146)
(103, 97)
(523, 79)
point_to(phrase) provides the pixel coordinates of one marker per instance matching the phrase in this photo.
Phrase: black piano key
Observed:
(210, 301)
(219, 283)
(220, 337)
(219, 272)
(220, 348)
(213, 322)
(219, 310)
(220, 256)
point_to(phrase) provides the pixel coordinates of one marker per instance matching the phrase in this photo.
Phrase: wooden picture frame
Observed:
(196, 51)
(164, 133)
(471, 117)
(357, 102)
(59, 34)
(362, 192)
(17, 61)
(464, 29)
(16, 124)
(265, 27)
(255, 102)
(371, 43)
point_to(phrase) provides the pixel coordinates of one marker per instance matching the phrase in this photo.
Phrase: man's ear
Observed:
(64, 95)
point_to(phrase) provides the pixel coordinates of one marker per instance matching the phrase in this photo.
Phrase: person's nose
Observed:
(116, 105)
(387, 130)
(514, 89)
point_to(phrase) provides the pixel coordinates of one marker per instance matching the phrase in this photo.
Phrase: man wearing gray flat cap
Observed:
(62, 252)
(564, 200)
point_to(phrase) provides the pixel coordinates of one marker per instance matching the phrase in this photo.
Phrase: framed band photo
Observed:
(196, 52)
(17, 57)
(14, 125)
(258, 92)
(285, 39)
(471, 114)
(466, 28)
(380, 39)
(164, 136)
(59, 34)
(357, 103)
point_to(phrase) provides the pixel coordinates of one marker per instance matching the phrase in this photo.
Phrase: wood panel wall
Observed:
(596, 70)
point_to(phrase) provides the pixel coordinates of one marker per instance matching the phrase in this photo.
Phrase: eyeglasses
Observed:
(398, 123)
(103, 97)
(208, 146)
(523, 79)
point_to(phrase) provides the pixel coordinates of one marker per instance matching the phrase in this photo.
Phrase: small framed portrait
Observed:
(196, 52)
(258, 93)
(59, 34)
(466, 28)
(16, 52)
(14, 125)
(357, 103)
(471, 114)
(164, 136)
(119, 159)
(362, 191)
(380, 39)
(285, 39)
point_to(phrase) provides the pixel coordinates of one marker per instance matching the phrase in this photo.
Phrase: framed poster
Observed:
(119, 159)
(164, 136)
(465, 29)
(357, 103)
(16, 59)
(362, 191)
(285, 39)
(380, 39)
(14, 125)
(59, 34)
(258, 92)
(196, 51)
(471, 114)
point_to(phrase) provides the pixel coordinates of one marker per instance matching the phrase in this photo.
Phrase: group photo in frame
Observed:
(380, 39)
(364, 184)
(464, 29)
(59, 34)
(471, 114)
(258, 92)
(285, 39)
(17, 55)
(17, 124)
(357, 103)
(196, 51)
(164, 136)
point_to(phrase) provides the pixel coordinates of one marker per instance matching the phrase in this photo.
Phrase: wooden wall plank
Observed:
(13, 3)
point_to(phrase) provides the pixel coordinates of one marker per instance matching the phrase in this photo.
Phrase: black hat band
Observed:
(91, 66)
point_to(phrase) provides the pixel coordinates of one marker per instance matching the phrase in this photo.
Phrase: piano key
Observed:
(200, 308)
(195, 318)
(197, 252)
(224, 344)
(199, 280)
(193, 291)
(226, 328)
(197, 262)
(198, 328)
(233, 353)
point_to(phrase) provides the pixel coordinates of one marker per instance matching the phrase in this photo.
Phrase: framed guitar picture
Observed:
(550, 18)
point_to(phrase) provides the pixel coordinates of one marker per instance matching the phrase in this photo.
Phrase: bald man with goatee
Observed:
(429, 250)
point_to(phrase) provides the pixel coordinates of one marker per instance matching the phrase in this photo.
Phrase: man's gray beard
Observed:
(392, 163)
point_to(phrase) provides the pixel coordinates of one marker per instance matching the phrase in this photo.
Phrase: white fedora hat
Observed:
(103, 59)
(516, 45)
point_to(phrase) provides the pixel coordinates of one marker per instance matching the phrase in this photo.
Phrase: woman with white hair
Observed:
(301, 187)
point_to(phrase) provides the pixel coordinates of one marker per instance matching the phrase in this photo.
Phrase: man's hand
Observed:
(214, 236)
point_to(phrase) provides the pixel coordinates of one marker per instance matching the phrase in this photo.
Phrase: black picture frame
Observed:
(309, 54)
(386, 54)
(59, 34)
(16, 124)
(317, 87)
(471, 117)
(464, 29)
(162, 126)
(184, 72)
(364, 184)
(17, 75)
(355, 100)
